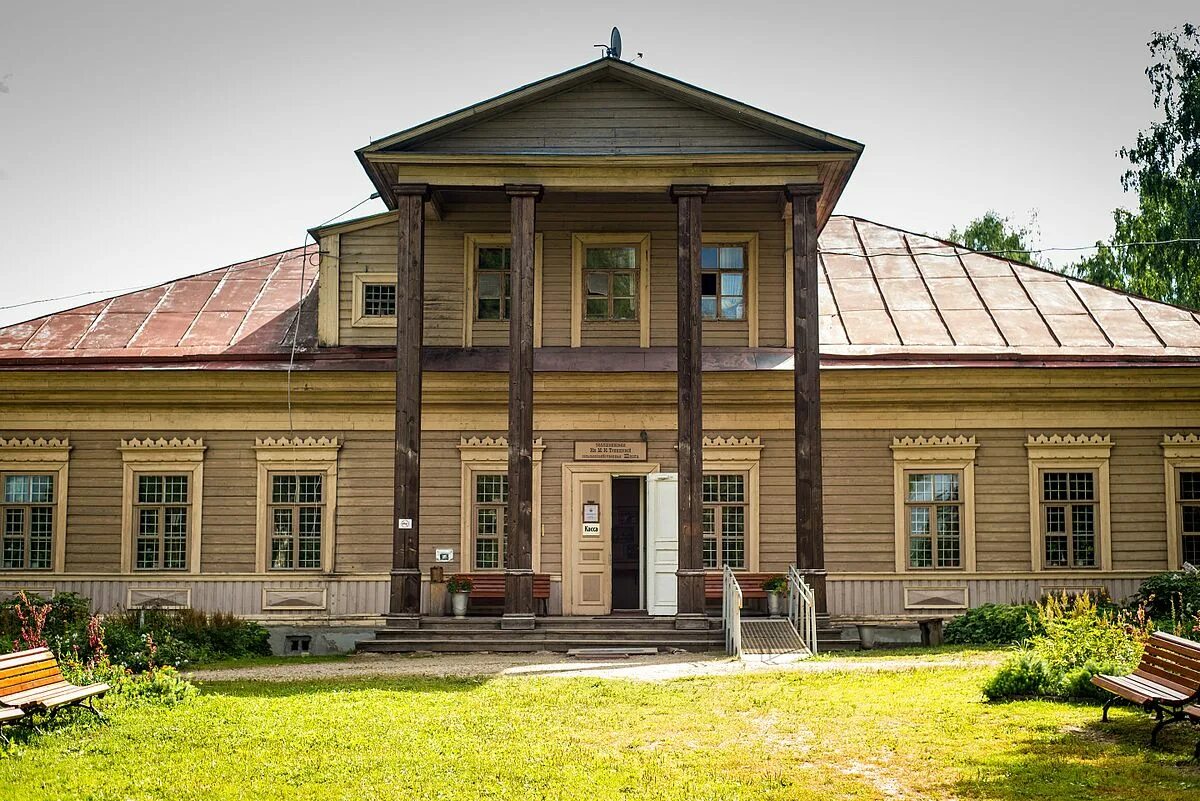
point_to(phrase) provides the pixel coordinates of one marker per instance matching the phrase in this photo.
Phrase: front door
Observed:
(627, 542)
(590, 544)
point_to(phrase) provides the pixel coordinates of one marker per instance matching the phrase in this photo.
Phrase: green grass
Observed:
(263, 661)
(912, 734)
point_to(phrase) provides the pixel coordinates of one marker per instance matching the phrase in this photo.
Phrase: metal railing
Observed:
(802, 609)
(731, 613)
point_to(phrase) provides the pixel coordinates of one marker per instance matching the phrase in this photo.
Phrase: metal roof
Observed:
(887, 296)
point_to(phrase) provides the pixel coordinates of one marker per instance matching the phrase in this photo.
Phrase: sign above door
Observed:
(610, 450)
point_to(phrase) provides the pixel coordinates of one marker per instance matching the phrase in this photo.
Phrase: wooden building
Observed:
(694, 379)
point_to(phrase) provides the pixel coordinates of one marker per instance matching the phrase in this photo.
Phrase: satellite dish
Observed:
(614, 44)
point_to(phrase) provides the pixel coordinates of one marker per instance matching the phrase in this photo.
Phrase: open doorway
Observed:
(627, 542)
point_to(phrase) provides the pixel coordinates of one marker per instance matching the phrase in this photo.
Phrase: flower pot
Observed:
(776, 604)
(458, 603)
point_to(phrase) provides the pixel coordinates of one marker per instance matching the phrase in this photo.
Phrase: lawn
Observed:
(835, 734)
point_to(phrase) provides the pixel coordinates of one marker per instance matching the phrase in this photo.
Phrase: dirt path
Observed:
(643, 668)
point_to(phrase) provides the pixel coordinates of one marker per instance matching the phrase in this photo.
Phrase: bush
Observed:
(1173, 601)
(993, 624)
(1077, 640)
(139, 638)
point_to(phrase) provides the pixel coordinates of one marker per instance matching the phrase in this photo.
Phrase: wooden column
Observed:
(518, 554)
(810, 537)
(404, 605)
(690, 610)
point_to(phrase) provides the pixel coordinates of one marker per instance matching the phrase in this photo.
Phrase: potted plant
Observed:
(776, 588)
(459, 588)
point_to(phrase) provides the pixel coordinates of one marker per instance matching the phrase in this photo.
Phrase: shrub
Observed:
(1076, 641)
(1172, 600)
(139, 638)
(459, 583)
(993, 624)
(775, 584)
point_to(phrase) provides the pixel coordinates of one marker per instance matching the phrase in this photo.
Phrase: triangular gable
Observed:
(608, 107)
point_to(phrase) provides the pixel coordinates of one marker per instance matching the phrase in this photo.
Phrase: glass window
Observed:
(933, 510)
(1069, 518)
(27, 514)
(379, 300)
(610, 283)
(488, 513)
(296, 515)
(161, 510)
(723, 282)
(724, 520)
(1189, 515)
(493, 283)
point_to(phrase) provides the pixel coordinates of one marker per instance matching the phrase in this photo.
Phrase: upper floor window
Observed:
(933, 505)
(493, 283)
(1069, 518)
(724, 520)
(378, 300)
(723, 282)
(28, 519)
(610, 280)
(1188, 501)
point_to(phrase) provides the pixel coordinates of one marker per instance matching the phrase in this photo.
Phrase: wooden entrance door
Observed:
(590, 544)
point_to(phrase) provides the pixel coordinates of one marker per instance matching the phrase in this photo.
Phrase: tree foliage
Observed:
(995, 234)
(1165, 172)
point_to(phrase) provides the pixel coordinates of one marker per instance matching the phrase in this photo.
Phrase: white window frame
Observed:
(1067, 453)
(490, 455)
(41, 455)
(297, 455)
(950, 453)
(1180, 452)
(160, 457)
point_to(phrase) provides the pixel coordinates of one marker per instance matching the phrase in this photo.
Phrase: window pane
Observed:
(494, 258)
(733, 536)
(732, 488)
(489, 309)
(491, 285)
(487, 554)
(622, 285)
(175, 489)
(309, 489)
(1189, 486)
(150, 489)
(379, 300)
(597, 308)
(1191, 549)
(41, 489)
(708, 257)
(611, 258)
(310, 538)
(708, 284)
(16, 489)
(1056, 536)
(945, 486)
(731, 284)
(920, 487)
(1083, 538)
(733, 257)
(283, 489)
(41, 531)
(732, 309)
(1054, 486)
(175, 538)
(623, 309)
(597, 285)
(1082, 486)
(487, 521)
(920, 543)
(491, 488)
(14, 538)
(1191, 518)
(948, 536)
(708, 527)
(281, 539)
(708, 308)
(710, 488)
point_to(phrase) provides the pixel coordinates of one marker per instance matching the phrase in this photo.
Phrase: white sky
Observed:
(145, 141)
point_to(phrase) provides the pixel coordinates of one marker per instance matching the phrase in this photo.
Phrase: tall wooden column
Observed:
(810, 536)
(518, 555)
(690, 610)
(404, 605)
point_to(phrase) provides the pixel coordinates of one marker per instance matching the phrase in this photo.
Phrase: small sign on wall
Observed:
(610, 450)
(591, 529)
(443, 555)
(404, 523)
(591, 512)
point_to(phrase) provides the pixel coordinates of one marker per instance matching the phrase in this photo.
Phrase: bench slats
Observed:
(37, 678)
(491, 585)
(751, 584)
(19, 658)
(10, 713)
(33, 679)
(64, 695)
(1183, 672)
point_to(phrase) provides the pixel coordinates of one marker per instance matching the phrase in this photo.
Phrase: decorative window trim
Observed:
(579, 242)
(357, 318)
(490, 455)
(302, 455)
(1069, 452)
(750, 240)
(956, 453)
(1180, 451)
(161, 456)
(740, 455)
(42, 455)
(471, 245)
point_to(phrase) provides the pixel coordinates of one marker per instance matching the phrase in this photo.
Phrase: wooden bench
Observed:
(1166, 682)
(1193, 714)
(31, 682)
(751, 584)
(8, 714)
(490, 586)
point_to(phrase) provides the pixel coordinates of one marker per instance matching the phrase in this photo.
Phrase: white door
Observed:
(662, 542)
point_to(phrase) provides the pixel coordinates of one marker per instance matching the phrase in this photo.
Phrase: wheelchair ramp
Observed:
(772, 639)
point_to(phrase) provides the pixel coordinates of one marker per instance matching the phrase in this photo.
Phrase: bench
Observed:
(751, 584)
(1193, 714)
(30, 682)
(1166, 682)
(490, 586)
(8, 714)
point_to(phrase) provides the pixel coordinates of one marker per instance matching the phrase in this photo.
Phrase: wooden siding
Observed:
(611, 117)
(373, 250)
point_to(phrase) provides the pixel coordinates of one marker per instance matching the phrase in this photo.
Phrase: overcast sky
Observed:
(145, 141)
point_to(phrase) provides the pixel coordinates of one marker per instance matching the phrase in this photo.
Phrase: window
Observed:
(28, 518)
(379, 300)
(297, 514)
(161, 508)
(1068, 501)
(297, 503)
(723, 282)
(161, 504)
(488, 512)
(1069, 518)
(933, 514)
(493, 283)
(610, 279)
(724, 520)
(1188, 493)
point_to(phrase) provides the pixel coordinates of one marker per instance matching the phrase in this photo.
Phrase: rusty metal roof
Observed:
(887, 296)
